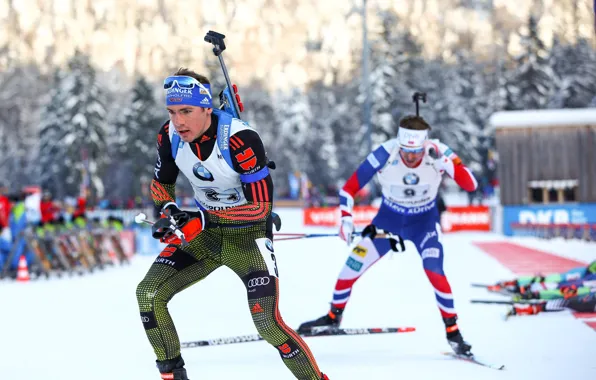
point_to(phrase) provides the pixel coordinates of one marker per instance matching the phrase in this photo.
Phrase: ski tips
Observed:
(474, 360)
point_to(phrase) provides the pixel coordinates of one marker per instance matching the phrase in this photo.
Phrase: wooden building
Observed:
(546, 156)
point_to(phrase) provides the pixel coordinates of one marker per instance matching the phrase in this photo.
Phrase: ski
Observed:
(507, 302)
(494, 289)
(475, 360)
(315, 331)
(328, 331)
(474, 285)
(494, 302)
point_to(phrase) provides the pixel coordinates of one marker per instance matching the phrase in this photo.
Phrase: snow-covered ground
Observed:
(89, 327)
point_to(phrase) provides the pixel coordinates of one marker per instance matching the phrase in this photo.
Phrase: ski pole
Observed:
(289, 236)
(380, 234)
(142, 218)
(320, 331)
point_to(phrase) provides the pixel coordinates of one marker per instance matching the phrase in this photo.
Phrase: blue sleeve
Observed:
(367, 169)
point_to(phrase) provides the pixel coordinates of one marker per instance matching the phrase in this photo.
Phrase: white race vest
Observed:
(216, 185)
(408, 188)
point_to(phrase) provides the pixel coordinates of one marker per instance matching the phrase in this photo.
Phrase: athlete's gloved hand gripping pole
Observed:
(179, 226)
(396, 242)
(161, 228)
(176, 226)
(347, 234)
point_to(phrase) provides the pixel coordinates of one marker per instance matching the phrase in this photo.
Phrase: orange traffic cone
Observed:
(113, 257)
(22, 270)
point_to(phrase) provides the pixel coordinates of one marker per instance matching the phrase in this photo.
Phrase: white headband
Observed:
(409, 138)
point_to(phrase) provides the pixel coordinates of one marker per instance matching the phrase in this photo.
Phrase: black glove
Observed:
(181, 217)
(185, 225)
(171, 210)
(369, 231)
(433, 153)
(395, 241)
(161, 228)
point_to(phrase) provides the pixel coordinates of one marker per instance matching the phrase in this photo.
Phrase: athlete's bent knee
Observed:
(261, 289)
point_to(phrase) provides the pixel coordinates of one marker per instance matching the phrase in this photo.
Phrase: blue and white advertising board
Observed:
(575, 213)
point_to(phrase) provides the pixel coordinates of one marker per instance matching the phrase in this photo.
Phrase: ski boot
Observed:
(172, 369)
(331, 319)
(455, 339)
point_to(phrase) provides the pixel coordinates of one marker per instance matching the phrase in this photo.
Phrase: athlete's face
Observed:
(190, 121)
(411, 157)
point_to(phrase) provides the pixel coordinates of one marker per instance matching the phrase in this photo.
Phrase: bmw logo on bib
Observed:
(202, 173)
(411, 179)
(269, 244)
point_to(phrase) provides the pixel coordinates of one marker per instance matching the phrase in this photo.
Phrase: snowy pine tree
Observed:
(261, 113)
(23, 90)
(575, 65)
(53, 124)
(320, 144)
(343, 116)
(73, 125)
(446, 110)
(467, 89)
(134, 142)
(393, 56)
(533, 82)
(295, 122)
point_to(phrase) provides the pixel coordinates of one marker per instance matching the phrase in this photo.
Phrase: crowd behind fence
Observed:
(60, 250)
(110, 237)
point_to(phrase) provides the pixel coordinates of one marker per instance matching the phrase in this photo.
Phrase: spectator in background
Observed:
(315, 198)
(294, 185)
(476, 196)
(491, 166)
(80, 208)
(103, 204)
(49, 210)
(70, 204)
(5, 235)
(5, 246)
(4, 207)
(32, 203)
(139, 202)
(18, 223)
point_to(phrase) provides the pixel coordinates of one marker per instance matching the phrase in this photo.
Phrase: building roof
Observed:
(543, 118)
